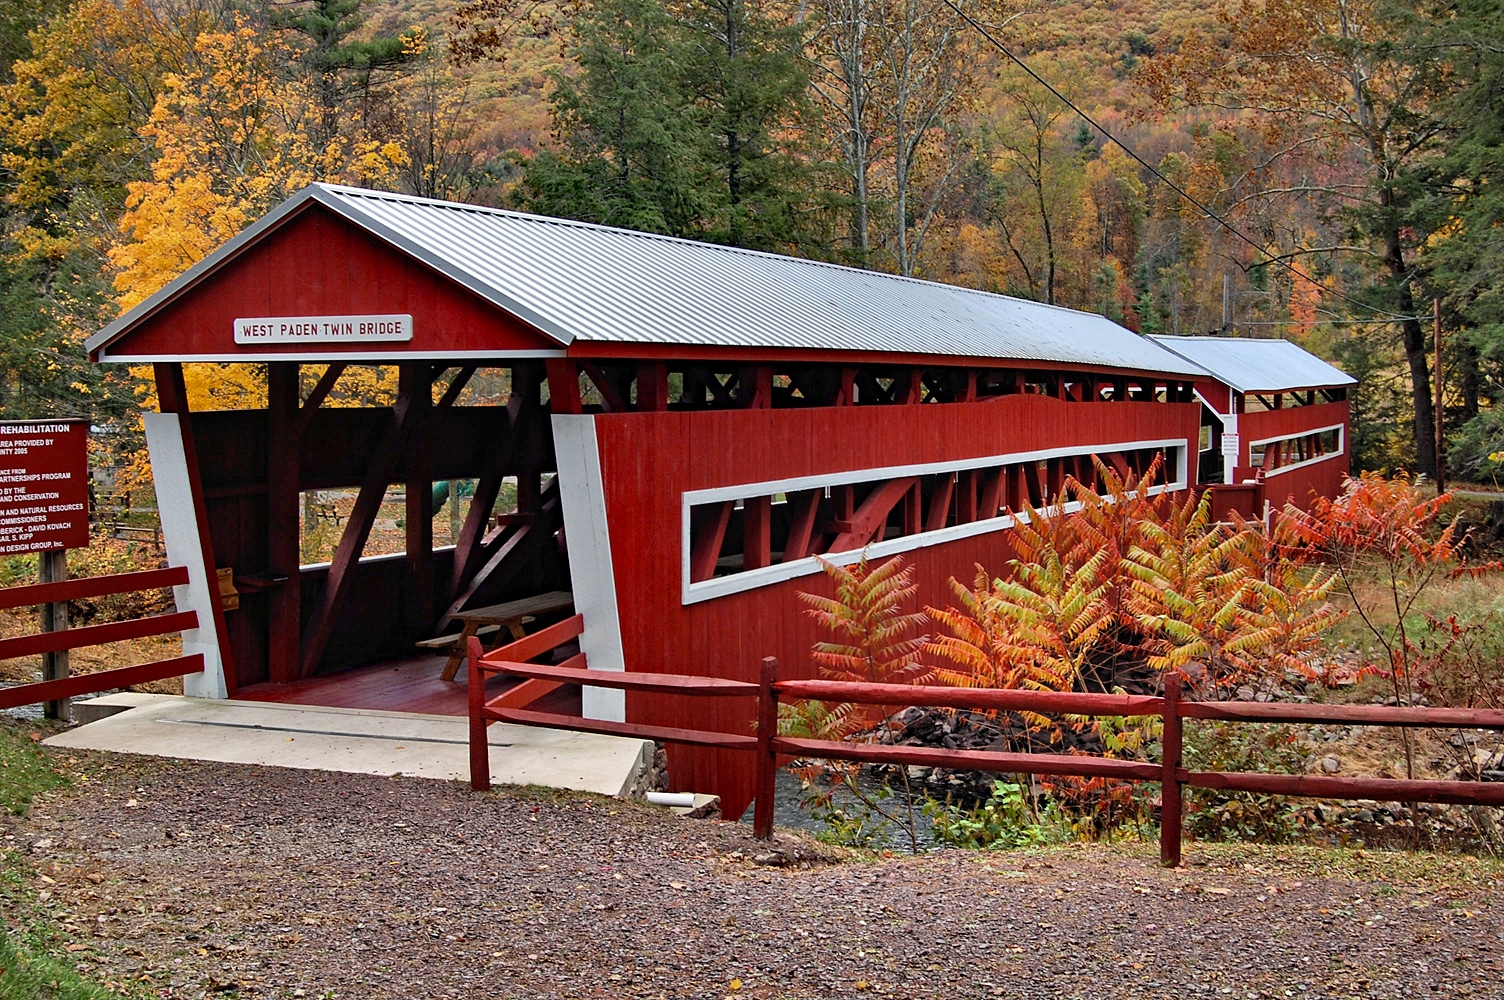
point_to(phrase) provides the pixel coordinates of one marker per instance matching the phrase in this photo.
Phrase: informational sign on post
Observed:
(44, 485)
(1230, 445)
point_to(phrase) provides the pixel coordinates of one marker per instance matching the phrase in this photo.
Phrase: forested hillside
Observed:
(1319, 170)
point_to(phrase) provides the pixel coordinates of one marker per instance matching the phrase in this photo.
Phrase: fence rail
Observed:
(1169, 772)
(54, 690)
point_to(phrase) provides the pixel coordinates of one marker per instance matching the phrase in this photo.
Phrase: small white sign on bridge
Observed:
(324, 329)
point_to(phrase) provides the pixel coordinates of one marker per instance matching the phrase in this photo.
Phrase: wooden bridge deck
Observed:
(411, 684)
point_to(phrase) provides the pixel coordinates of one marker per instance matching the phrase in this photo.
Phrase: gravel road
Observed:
(228, 880)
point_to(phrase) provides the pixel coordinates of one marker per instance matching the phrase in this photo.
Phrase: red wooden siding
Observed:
(1323, 478)
(649, 459)
(319, 264)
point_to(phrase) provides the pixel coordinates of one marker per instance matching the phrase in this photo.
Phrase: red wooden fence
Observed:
(93, 635)
(1169, 773)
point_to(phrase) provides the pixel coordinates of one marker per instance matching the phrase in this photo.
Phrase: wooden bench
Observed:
(446, 643)
(510, 615)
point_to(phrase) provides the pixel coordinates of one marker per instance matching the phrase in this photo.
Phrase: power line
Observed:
(1392, 317)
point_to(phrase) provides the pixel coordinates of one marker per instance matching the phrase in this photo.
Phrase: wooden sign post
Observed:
(44, 508)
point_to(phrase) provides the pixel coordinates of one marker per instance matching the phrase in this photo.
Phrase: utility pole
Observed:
(1226, 301)
(1441, 482)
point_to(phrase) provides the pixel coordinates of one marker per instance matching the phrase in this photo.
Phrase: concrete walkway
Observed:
(355, 741)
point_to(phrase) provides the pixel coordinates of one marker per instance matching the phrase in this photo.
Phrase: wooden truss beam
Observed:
(406, 415)
(705, 548)
(805, 505)
(869, 520)
(519, 545)
(939, 511)
(316, 397)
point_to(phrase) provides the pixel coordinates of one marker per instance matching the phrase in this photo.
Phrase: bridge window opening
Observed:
(729, 534)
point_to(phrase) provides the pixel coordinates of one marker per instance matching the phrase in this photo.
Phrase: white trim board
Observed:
(169, 469)
(592, 578)
(723, 586)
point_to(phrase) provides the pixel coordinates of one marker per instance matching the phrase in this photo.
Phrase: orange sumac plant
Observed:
(872, 639)
(1385, 528)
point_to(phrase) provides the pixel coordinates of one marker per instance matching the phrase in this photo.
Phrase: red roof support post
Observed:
(652, 386)
(416, 378)
(283, 529)
(805, 504)
(757, 542)
(939, 512)
(564, 386)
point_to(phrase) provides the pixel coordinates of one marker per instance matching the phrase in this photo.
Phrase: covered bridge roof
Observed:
(1256, 365)
(580, 283)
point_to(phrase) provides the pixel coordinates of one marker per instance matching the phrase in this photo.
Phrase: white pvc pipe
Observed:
(685, 799)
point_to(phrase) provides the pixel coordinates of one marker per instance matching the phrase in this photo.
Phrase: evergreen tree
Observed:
(675, 123)
(1461, 200)
(342, 65)
(624, 124)
(743, 68)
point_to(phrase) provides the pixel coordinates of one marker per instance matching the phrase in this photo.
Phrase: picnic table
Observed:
(510, 615)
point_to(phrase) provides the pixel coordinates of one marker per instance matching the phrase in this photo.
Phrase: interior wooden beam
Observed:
(754, 387)
(614, 401)
(966, 496)
(1033, 489)
(908, 387)
(912, 510)
(487, 488)
(722, 393)
(992, 493)
(525, 413)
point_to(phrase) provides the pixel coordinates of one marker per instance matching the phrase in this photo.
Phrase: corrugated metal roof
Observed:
(576, 281)
(1254, 365)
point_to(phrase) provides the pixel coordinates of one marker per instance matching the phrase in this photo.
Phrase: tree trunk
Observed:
(1468, 379)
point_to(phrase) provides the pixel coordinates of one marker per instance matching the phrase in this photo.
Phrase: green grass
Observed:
(24, 768)
(30, 973)
(33, 965)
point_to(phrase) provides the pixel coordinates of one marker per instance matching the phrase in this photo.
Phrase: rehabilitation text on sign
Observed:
(378, 328)
(44, 486)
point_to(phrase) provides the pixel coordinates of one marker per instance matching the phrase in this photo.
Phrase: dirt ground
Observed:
(189, 880)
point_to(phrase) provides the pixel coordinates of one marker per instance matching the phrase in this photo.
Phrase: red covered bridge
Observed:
(1274, 420)
(687, 426)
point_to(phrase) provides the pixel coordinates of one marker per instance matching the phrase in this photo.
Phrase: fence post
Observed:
(52, 567)
(480, 749)
(1170, 804)
(767, 760)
